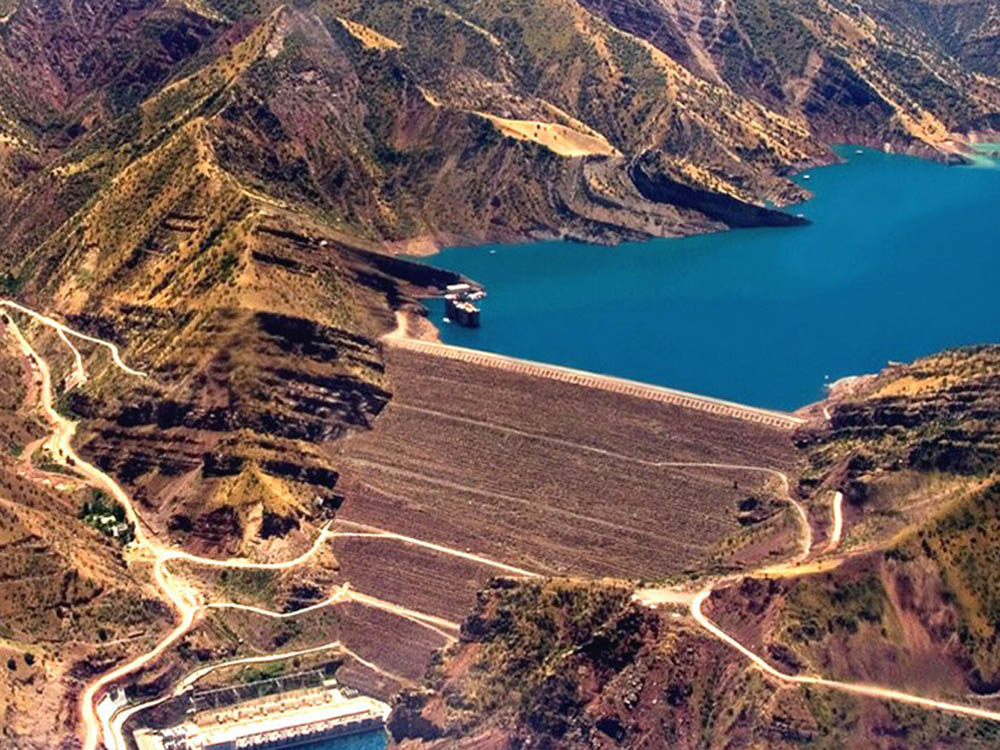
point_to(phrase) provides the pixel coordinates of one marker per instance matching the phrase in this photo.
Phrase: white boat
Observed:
(806, 177)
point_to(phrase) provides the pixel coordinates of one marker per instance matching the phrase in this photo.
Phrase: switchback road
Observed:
(183, 598)
(188, 606)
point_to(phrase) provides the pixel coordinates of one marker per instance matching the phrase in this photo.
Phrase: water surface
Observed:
(901, 260)
(375, 740)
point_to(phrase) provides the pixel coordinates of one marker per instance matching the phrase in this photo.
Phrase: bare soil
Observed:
(553, 477)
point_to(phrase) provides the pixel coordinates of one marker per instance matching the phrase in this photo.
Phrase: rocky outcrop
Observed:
(816, 61)
(941, 413)
(716, 206)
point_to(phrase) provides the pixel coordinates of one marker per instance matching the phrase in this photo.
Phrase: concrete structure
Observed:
(282, 721)
(459, 307)
(780, 420)
(461, 311)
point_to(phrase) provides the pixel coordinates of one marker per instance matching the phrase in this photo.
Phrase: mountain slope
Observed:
(906, 74)
(218, 187)
(444, 121)
(908, 600)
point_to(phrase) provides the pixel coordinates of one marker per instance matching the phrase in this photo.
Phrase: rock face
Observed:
(220, 442)
(213, 185)
(941, 413)
(875, 72)
(466, 121)
(725, 209)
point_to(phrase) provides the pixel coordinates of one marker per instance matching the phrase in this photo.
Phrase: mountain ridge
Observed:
(220, 188)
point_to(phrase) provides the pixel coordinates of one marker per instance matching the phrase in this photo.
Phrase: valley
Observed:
(364, 539)
(248, 495)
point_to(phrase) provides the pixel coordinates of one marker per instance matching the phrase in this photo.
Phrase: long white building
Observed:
(284, 721)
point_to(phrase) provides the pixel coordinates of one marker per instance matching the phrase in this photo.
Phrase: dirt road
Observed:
(868, 691)
(183, 598)
(838, 522)
(189, 608)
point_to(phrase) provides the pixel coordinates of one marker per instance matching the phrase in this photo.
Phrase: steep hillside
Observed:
(907, 599)
(218, 441)
(218, 187)
(572, 664)
(70, 607)
(968, 30)
(915, 449)
(425, 123)
(938, 415)
(911, 75)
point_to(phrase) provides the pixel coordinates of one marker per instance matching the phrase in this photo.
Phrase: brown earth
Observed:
(512, 467)
(69, 604)
(571, 665)
(523, 471)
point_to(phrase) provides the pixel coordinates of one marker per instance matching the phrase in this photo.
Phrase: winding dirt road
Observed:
(837, 511)
(183, 598)
(188, 605)
(373, 532)
(855, 688)
(65, 330)
(345, 594)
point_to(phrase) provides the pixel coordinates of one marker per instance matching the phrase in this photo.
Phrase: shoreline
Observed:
(400, 337)
(965, 148)
(412, 325)
(714, 276)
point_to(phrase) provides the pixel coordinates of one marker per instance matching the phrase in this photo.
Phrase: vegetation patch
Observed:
(533, 638)
(961, 544)
(249, 584)
(106, 515)
(816, 610)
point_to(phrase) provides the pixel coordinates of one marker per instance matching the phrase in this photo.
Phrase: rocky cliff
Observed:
(436, 122)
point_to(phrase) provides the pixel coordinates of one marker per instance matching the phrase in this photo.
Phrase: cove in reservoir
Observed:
(902, 259)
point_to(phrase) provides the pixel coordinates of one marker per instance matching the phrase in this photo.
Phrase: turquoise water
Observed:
(902, 260)
(368, 741)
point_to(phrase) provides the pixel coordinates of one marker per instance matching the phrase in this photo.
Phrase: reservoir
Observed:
(902, 259)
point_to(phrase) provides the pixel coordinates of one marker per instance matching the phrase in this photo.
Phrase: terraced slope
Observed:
(217, 186)
(906, 600)
(393, 121)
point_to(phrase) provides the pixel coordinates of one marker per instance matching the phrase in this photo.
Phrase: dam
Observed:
(297, 718)
(760, 316)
